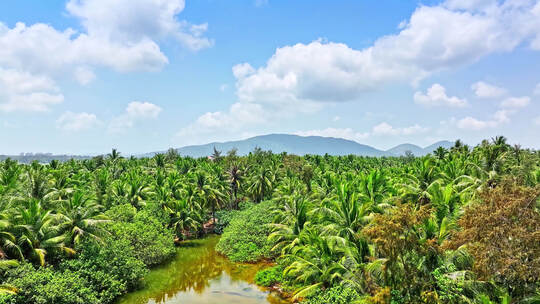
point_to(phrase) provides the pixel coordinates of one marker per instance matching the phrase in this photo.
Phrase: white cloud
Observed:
(436, 96)
(537, 89)
(304, 78)
(136, 111)
(346, 133)
(471, 123)
(470, 5)
(137, 20)
(84, 75)
(386, 129)
(26, 92)
(122, 35)
(242, 70)
(70, 121)
(336, 118)
(486, 90)
(434, 38)
(516, 102)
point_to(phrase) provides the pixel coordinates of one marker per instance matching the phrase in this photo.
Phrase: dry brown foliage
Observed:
(502, 233)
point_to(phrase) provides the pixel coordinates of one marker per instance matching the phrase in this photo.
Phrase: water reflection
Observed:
(199, 275)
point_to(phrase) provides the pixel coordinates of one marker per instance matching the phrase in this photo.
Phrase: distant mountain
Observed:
(401, 149)
(300, 145)
(292, 144)
(419, 151)
(443, 143)
(277, 143)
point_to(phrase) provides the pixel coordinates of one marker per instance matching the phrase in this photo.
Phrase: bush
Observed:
(111, 268)
(269, 276)
(336, 295)
(223, 219)
(246, 237)
(100, 274)
(44, 286)
(151, 241)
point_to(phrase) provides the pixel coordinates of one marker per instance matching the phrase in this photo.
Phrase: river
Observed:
(197, 275)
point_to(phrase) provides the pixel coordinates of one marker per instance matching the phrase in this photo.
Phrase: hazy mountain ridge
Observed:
(277, 143)
(301, 145)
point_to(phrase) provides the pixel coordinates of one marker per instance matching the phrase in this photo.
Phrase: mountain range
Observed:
(301, 145)
(277, 143)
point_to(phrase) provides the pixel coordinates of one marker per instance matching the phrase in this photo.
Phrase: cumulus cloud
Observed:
(70, 121)
(27, 92)
(386, 129)
(436, 96)
(433, 39)
(304, 78)
(121, 35)
(471, 123)
(135, 112)
(516, 102)
(486, 90)
(346, 133)
(138, 20)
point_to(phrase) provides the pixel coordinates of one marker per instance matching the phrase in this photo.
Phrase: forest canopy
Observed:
(460, 225)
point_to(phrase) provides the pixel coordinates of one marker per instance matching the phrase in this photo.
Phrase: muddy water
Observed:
(199, 275)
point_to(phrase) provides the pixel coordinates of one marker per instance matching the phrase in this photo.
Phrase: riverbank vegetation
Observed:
(457, 226)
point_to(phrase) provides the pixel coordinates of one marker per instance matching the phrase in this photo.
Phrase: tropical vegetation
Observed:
(460, 225)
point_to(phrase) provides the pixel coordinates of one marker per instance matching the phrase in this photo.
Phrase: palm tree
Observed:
(375, 189)
(82, 218)
(8, 241)
(235, 180)
(344, 216)
(440, 153)
(261, 183)
(415, 185)
(39, 233)
(160, 160)
(290, 219)
(114, 155)
(184, 216)
(317, 265)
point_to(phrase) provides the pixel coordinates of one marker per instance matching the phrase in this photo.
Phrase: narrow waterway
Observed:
(198, 274)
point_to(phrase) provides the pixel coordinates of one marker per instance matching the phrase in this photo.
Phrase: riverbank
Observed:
(198, 274)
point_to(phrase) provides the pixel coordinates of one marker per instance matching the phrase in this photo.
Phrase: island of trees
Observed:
(460, 225)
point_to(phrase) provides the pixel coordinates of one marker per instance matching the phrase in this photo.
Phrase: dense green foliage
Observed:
(246, 237)
(457, 226)
(338, 294)
(269, 276)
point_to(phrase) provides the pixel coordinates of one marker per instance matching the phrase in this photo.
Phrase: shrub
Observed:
(269, 276)
(223, 219)
(111, 268)
(151, 241)
(44, 286)
(246, 237)
(336, 295)
(502, 233)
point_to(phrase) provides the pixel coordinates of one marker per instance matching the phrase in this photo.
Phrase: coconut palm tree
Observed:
(184, 216)
(82, 218)
(261, 183)
(39, 232)
(235, 182)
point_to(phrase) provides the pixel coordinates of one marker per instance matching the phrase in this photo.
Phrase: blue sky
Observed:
(84, 76)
